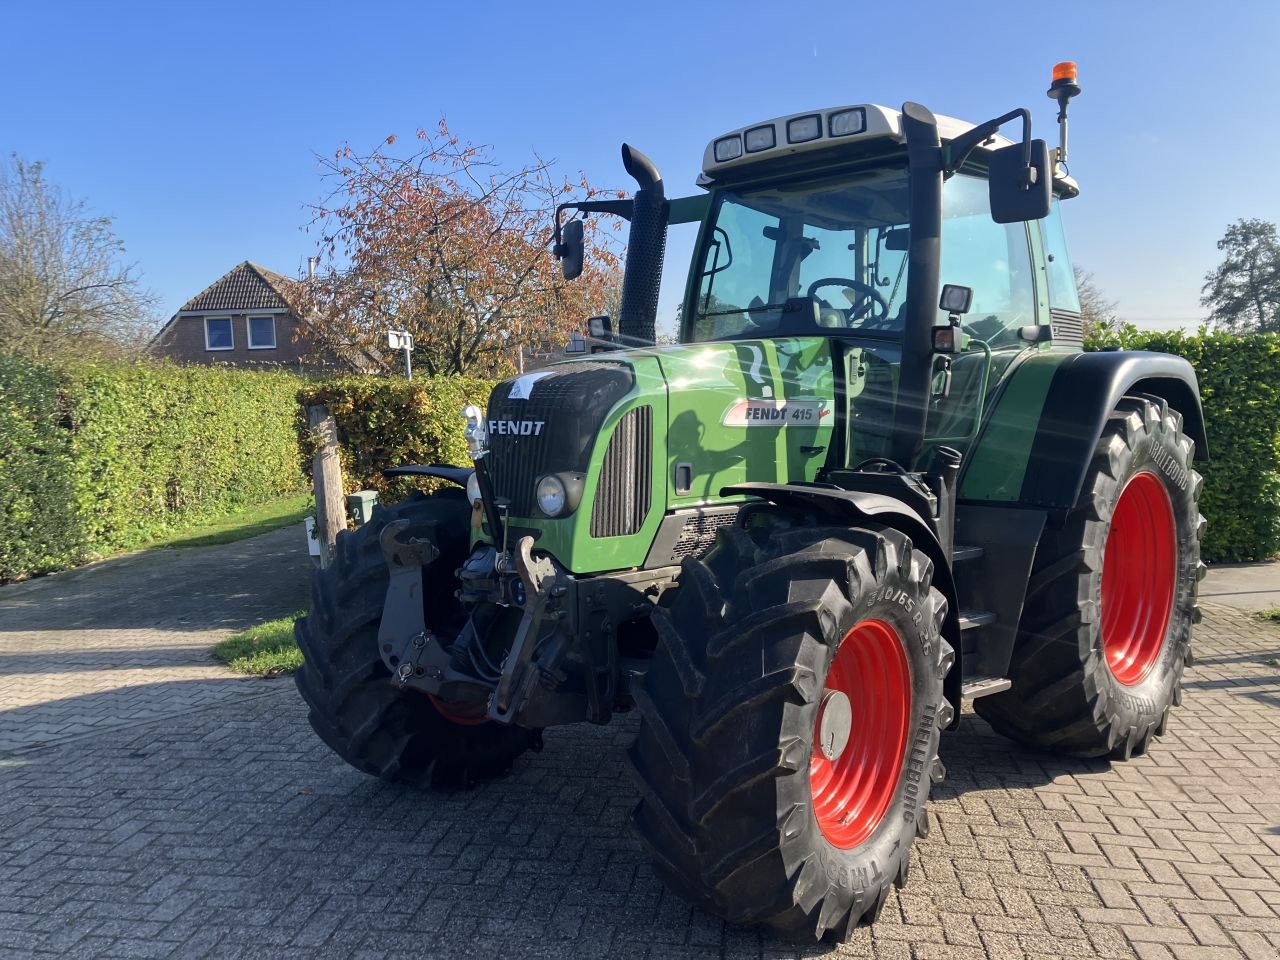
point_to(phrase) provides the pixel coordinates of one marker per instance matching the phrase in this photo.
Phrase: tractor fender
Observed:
(852, 506)
(1039, 437)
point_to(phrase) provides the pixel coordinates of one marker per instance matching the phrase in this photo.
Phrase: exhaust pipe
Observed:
(646, 246)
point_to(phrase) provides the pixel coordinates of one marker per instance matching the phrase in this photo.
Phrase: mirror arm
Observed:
(617, 208)
(957, 151)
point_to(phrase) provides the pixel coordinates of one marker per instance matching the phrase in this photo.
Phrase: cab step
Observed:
(971, 619)
(984, 686)
(961, 552)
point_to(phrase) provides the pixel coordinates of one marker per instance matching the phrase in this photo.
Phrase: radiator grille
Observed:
(626, 477)
(1068, 328)
(698, 535)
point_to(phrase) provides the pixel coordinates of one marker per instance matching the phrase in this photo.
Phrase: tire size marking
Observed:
(896, 597)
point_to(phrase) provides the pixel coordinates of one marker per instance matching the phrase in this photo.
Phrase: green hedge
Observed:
(38, 526)
(385, 422)
(103, 456)
(1240, 391)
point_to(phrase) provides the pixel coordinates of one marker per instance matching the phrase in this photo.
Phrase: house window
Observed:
(217, 333)
(262, 333)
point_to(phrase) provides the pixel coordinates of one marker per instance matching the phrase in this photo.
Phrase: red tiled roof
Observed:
(246, 286)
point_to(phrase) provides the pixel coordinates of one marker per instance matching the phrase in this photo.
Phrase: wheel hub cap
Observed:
(834, 720)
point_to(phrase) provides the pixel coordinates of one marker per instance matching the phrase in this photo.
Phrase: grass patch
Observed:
(266, 650)
(240, 526)
(1272, 614)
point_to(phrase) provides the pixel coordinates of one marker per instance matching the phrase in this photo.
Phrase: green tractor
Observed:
(878, 475)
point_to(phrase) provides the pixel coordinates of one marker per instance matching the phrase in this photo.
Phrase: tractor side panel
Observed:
(1039, 438)
(751, 410)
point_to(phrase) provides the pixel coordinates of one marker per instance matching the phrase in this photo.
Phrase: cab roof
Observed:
(815, 130)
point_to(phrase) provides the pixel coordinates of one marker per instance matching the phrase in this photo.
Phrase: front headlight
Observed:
(473, 489)
(552, 497)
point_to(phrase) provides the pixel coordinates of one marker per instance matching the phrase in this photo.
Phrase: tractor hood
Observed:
(638, 433)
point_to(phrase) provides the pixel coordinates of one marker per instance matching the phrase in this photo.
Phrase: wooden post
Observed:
(326, 478)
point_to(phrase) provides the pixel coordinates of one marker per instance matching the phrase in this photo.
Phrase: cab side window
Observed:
(993, 259)
(737, 274)
(1063, 295)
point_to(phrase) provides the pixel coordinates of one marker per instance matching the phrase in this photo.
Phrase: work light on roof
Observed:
(728, 148)
(845, 123)
(760, 138)
(804, 129)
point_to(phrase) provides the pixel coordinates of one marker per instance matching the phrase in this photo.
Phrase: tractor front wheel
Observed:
(789, 725)
(1106, 627)
(376, 727)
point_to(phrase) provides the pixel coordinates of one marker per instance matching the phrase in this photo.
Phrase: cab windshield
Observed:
(829, 257)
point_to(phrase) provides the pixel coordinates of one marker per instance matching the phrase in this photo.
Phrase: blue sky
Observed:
(196, 125)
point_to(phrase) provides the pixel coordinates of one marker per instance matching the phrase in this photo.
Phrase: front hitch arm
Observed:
(539, 581)
(408, 648)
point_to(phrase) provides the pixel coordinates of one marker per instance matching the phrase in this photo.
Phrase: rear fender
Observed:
(850, 507)
(1039, 438)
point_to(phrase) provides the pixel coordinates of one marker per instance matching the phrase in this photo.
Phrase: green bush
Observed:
(95, 457)
(385, 422)
(38, 527)
(1240, 391)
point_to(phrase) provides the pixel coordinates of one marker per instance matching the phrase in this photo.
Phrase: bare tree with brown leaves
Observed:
(1097, 313)
(64, 288)
(453, 248)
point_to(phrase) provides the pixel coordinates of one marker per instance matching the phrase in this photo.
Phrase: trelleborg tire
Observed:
(354, 708)
(1106, 626)
(743, 807)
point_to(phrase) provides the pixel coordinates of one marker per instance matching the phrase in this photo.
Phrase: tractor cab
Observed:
(825, 251)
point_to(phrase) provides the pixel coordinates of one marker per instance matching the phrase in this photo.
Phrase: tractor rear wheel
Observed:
(1106, 627)
(789, 725)
(355, 709)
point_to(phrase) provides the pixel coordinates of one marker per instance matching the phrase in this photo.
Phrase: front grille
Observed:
(626, 477)
(1068, 328)
(550, 426)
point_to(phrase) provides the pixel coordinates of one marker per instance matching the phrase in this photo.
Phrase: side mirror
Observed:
(571, 249)
(600, 330)
(1013, 198)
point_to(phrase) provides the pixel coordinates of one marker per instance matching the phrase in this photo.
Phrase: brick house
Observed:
(243, 318)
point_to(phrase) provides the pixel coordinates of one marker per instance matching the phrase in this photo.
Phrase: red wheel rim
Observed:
(1139, 570)
(852, 792)
(477, 716)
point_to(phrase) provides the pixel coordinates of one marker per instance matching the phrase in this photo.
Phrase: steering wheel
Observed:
(873, 307)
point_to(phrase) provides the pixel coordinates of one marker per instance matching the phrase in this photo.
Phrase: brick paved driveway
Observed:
(128, 640)
(226, 829)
